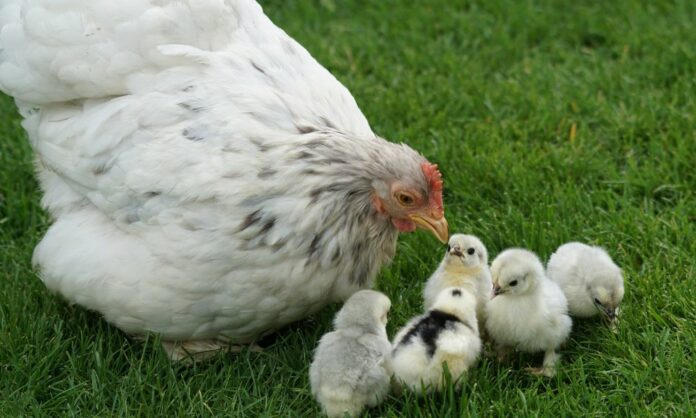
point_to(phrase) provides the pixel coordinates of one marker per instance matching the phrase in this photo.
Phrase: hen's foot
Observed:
(200, 350)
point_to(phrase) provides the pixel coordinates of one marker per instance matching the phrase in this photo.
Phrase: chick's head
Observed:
(516, 272)
(607, 292)
(467, 250)
(366, 309)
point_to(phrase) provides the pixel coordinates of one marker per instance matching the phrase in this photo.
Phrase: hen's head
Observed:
(412, 198)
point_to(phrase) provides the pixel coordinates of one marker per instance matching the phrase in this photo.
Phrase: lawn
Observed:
(551, 121)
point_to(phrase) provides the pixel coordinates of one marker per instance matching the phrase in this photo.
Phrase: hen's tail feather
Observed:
(61, 50)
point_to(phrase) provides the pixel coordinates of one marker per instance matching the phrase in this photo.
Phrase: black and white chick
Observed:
(528, 312)
(465, 265)
(589, 278)
(446, 334)
(351, 364)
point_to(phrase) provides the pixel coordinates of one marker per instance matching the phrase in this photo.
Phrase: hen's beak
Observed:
(436, 226)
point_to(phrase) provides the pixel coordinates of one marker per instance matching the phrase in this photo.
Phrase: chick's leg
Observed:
(548, 367)
(502, 352)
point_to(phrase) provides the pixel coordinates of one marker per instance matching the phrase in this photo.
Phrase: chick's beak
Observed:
(456, 252)
(610, 313)
(497, 290)
(437, 225)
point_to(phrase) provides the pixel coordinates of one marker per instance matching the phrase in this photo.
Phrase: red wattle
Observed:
(404, 225)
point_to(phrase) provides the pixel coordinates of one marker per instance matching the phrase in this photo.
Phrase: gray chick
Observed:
(351, 364)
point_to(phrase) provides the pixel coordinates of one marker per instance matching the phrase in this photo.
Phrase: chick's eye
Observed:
(449, 248)
(406, 199)
(513, 283)
(597, 301)
(470, 251)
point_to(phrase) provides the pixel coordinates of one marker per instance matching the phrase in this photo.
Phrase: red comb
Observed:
(434, 178)
(433, 175)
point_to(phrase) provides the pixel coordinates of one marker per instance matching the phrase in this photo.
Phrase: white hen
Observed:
(208, 179)
(590, 279)
(528, 312)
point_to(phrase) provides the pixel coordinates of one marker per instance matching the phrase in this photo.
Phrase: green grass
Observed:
(491, 90)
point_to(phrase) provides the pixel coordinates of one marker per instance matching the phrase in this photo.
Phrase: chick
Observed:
(465, 265)
(446, 334)
(528, 311)
(591, 281)
(351, 364)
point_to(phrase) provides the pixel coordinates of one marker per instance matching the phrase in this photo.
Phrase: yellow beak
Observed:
(438, 227)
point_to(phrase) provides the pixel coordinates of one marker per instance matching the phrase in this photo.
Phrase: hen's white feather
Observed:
(58, 51)
(169, 138)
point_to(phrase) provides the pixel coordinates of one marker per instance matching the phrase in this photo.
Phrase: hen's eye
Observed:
(513, 283)
(405, 199)
(470, 251)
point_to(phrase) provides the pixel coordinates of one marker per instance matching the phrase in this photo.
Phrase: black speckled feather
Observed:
(429, 328)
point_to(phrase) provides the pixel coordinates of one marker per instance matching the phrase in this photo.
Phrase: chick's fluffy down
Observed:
(531, 316)
(589, 278)
(465, 265)
(351, 365)
(445, 336)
